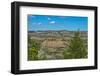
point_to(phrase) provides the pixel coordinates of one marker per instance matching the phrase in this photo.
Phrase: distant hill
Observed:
(52, 33)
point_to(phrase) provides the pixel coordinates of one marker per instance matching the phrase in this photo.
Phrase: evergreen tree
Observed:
(33, 48)
(76, 48)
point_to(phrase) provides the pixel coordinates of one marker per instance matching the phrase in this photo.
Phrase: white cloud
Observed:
(49, 18)
(39, 23)
(52, 22)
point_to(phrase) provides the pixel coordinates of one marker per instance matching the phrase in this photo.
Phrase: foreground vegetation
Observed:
(75, 49)
(33, 47)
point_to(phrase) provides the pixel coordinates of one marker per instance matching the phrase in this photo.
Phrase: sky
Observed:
(50, 22)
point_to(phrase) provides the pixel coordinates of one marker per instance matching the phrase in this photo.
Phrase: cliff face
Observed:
(53, 43)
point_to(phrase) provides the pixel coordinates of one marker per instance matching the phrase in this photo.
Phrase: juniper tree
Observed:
(76, 48)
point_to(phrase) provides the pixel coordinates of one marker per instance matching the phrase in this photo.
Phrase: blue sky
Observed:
(49, 22)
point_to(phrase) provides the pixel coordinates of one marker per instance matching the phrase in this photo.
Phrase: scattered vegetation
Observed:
(75, 49)
(33, 47)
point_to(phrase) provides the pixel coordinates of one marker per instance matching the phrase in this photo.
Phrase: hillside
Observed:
(53, 43)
